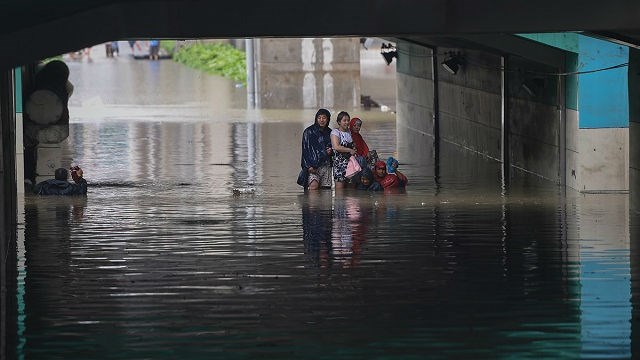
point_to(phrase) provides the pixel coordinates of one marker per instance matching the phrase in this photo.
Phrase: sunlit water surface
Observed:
(195, 242)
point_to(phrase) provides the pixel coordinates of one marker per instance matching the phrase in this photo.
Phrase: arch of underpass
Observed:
(34, 30)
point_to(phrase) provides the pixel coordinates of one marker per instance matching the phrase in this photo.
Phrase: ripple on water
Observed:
(163, 261)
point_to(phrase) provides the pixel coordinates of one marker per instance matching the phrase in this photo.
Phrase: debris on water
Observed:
(244, 191)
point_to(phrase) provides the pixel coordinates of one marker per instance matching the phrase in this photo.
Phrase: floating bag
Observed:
(353, 167)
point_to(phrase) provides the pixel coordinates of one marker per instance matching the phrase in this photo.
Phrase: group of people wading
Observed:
(326, 154)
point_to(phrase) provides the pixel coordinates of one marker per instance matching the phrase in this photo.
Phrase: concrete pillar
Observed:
(19, 133)
(634, 127)
(603, 103)
(43, 133)
(597, 116)
(7, 217)
(308, 73)
(49, 159)
(634, 262)
(634, 185)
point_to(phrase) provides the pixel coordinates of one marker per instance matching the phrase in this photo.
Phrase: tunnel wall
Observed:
(534, 118)
(415, 104)
(571, 129)
(8, 217)
(470, 102)
(634, 127)
(469, 109)
(603, 105)
(598, 115)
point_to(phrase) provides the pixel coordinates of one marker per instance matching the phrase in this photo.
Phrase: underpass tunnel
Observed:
(505, 46)
(511, 100)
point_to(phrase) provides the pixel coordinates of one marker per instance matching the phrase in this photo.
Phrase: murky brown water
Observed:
(162, 260)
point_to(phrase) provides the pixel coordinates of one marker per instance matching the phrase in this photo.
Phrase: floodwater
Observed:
(194, 242)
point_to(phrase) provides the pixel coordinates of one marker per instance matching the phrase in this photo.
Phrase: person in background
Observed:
(111, 48)
(154, 49)
(316, 153)
(361, 146)
(60, 184)
(343, 149)
(108, 48)
(87, 53)
(115, 48)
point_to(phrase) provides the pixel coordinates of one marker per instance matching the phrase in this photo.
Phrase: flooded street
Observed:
(195, 242)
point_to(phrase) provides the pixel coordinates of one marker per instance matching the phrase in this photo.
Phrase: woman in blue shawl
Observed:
(316, 153)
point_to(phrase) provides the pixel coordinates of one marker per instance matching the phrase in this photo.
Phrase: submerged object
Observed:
(244, 191)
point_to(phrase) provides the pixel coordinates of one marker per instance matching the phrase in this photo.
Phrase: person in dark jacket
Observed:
(316, 153)
(61, 186)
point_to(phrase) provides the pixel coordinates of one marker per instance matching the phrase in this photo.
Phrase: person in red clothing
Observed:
(387, 181)
(361, 146)
(379, 171)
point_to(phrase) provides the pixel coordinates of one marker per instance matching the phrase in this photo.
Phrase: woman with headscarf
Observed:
(386, 180)
(362, 149)
(316, 153)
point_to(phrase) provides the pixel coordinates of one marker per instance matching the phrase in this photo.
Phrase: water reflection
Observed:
(48, 232)
(355, 228)
(163, 260)
(317, 231)
(162, 254)
(335, 229)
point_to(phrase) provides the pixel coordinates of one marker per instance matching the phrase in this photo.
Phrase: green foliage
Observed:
(168, 45)
(214, 58)
(59, 57)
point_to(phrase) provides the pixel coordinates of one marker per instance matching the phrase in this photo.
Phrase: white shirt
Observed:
(343, 136)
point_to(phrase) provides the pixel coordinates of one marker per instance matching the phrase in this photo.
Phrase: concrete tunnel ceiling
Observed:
(35, 29)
